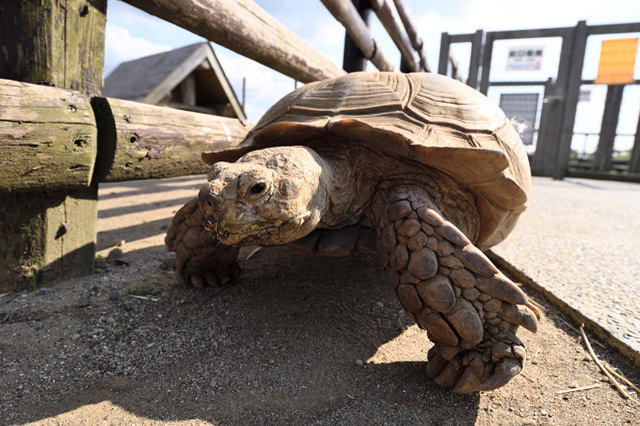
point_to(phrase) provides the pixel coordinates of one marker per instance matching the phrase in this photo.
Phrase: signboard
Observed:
(522, 109)
(525, 58)
(617, 61)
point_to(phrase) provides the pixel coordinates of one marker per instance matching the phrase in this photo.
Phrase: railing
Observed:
(57, 143)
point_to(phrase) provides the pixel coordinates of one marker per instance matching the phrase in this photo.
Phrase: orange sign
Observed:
(617, 61)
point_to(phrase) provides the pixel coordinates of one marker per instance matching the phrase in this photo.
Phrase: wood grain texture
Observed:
(140, 141)
(389, 18)
(48, 138)
(60, 43)
(247, 29)
(345, 12)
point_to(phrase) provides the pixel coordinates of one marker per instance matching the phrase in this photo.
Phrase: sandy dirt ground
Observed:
(298, 339)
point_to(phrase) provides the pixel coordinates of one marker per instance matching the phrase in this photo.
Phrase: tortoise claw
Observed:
(201, 260)
(506, 369)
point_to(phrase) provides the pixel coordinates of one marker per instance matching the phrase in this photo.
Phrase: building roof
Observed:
(155, 79)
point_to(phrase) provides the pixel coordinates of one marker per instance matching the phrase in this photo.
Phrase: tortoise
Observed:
(417, 168)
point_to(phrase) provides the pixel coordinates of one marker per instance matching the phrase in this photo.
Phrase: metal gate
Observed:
(546, 98)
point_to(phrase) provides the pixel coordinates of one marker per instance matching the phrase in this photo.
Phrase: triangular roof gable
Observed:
(151, 78)
(134, 80)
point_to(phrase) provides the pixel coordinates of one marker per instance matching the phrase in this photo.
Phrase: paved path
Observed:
(579, 240)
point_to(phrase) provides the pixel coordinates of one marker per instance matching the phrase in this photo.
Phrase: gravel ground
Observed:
(298, 339)
(579, 240)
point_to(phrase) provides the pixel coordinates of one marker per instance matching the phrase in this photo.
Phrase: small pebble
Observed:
(75, 337)
(114, 296)
(359, 362)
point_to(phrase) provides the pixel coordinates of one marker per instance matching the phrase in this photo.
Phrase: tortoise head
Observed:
(268, 197)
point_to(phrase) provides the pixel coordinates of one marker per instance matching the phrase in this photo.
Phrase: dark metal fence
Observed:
(571, 125)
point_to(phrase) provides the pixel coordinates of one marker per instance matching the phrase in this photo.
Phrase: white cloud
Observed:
(121, 46)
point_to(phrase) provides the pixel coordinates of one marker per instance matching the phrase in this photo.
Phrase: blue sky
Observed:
(132, 33)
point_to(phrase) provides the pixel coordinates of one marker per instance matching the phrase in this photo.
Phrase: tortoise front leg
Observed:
(200, 259)
(450, 288)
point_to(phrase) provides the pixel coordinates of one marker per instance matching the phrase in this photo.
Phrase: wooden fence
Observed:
(59, 138)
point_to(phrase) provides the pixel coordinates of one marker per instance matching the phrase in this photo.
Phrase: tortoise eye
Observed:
(258, 188)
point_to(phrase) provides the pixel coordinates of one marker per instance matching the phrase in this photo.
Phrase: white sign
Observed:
(525, 58)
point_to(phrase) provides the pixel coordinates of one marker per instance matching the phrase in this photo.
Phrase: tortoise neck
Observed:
(337, 190)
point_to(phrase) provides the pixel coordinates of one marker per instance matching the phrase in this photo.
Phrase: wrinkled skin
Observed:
(265, 198)
(424, 234)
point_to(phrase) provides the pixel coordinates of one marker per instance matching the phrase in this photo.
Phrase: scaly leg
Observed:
(200, 258)
(451, 289)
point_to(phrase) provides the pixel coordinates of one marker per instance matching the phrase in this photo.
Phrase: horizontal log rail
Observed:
(54, 139)
(247, 29)
(49, 137)
(389, 18)
(415, 39)
(346, 13)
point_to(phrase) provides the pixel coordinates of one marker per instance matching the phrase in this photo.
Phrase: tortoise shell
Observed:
(423, 117)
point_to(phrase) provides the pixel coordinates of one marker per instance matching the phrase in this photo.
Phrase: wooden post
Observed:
(50, 235)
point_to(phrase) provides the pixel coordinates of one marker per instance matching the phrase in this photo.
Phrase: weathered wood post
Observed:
(51, 234)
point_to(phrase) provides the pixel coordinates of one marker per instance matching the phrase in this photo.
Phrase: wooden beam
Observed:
(247, 29)
(416, 41)
(48, 138)
(389, 18)
(141, 141)
(346, 13)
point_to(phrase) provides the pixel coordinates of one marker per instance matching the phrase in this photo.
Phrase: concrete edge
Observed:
(573, 314)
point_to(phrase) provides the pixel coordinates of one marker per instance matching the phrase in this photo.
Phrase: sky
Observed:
(132, 33)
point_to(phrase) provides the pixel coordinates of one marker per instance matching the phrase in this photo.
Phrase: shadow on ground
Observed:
(299, 339)
(269, 349)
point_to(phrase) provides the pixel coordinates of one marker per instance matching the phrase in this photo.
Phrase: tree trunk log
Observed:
(416, 41)
(247, 29)
(140, 141)
(346, 13)
(48, 138)
(391, 21)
